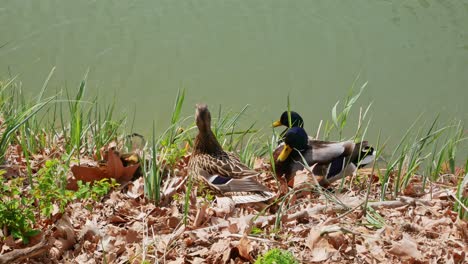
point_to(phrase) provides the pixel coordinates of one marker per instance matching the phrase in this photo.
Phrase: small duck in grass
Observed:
(223, 171)
(332, 160)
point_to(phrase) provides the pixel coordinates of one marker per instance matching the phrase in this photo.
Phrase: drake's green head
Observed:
(295, 138)
(296, 120)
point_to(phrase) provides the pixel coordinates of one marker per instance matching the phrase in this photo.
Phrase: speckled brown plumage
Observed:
(223, 171)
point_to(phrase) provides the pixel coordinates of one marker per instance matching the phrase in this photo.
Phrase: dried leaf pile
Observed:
(124, 227)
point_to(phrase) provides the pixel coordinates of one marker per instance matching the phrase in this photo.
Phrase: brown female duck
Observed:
(223, 171)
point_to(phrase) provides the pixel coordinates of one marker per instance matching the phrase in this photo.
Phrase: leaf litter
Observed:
(316, 227)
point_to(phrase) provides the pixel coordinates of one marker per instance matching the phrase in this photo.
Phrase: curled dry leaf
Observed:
(320, 248)
(462, 226)
(136, 188)
(304, 178)
(221, 250)
(224, 206)
(178, 260)
(64, 236)
(320, 254)
(113, 168)
(201, 215)
(313, 238)
(406, 247)
(245, 248)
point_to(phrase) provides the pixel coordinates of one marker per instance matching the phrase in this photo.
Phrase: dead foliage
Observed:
(316, 227)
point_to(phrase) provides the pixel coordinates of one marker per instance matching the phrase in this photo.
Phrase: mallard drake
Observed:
(333, 160)
(223, 171)
(296, 120)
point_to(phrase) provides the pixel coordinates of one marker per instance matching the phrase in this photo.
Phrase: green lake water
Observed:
(414, 55)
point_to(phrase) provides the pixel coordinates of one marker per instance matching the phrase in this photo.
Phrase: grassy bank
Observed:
(42, 138)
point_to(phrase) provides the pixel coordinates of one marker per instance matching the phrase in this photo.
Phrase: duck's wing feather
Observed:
(226, 184)
(226, 165)
(327, 151)
(240, 190)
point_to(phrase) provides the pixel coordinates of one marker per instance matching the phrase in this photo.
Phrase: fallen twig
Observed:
(254, 238)
(320, 208)
(24, 253)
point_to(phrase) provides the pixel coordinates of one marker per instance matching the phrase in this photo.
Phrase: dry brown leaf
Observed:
(198, 260)
(244, 223)
(116, 219)
(462, 226)
(224, 206)
(64, 236)
(245, 248)
(313, 238)
(89, 174)
(406, 247)
(178, 260)
(258, 163)
(117, 170)
(202, 252)
(200, 217)
(302, 179)
(337, 240)
(132, 236)
(321, 249)
(220, 246)
(321, 252)
(136, 188)
(113, 168)
(233, 228)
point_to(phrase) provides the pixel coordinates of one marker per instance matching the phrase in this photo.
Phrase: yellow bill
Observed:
(284, 153)
(277, 124)
(133, 158)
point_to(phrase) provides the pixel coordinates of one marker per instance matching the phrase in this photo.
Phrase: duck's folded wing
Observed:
(228, 165)
(324, 152)
(227, 184)
(242, 198)
(243, 190)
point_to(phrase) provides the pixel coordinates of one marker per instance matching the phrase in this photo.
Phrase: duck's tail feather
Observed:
(343, 166)
(243, 198)
(365, 154)
(232, 185)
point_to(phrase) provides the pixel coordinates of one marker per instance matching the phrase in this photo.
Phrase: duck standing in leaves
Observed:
(222, 171)
(332, 160)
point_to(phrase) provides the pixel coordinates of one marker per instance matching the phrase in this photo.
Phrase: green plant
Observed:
(204, 192)
(15, 118)
(339, 120)
(256, 231)
(16, 214)
(50, 189)
(374, 219)
(76, 119)
(94, 190)
(170, 141)
(225, 129)
(277, 256)
(461, 205)
(103, 129)
(152, 172)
